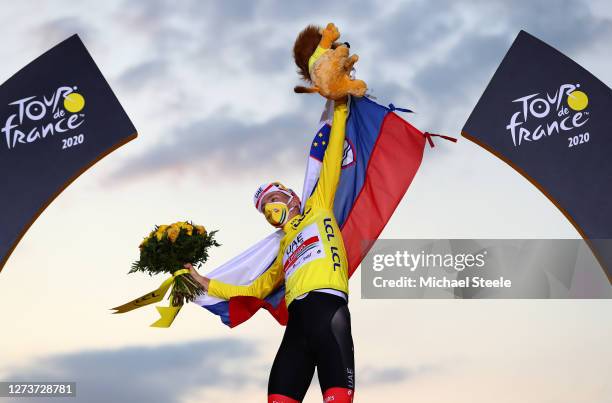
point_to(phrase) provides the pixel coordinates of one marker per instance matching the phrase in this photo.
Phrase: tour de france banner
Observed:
(551, 120)
(58, 117)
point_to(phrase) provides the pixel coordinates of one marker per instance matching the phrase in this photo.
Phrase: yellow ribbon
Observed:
(167, 313)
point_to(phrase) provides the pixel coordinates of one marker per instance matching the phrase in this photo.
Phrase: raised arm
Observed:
(329, 177)
(259, 288)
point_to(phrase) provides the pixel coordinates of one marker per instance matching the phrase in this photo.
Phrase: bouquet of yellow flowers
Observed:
(166, 250)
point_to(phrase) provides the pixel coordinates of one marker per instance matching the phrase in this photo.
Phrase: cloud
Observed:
(320, 12)
(448, 80)
(441, 55)
(54, 31)
(167, 373)
(433, 57)
(568, 24)
(147, 374)
(226, 147)
(372, 376)
(143, 74)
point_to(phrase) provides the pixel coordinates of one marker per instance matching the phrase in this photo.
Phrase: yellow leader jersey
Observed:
(311, 254)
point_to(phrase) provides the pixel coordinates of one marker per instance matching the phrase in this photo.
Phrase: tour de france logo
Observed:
(38, 117)
(542, 115)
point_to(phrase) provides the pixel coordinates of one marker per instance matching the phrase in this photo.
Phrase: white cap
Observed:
(266, 188)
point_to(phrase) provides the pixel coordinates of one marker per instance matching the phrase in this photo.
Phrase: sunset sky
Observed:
(209, 86)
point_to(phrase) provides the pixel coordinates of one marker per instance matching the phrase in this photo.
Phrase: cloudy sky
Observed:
(209, 87)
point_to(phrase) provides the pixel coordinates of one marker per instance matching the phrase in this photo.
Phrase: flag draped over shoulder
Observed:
(382, 153)
(549, 119)
(58, 117)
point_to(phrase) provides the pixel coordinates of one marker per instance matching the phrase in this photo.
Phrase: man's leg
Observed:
(334, 350)
(276, 398)
(335, 358)
(293, 366)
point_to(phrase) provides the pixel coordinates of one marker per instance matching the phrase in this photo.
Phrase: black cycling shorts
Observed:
(318, 333)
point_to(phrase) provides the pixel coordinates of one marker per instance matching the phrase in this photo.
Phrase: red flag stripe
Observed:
(395, 159)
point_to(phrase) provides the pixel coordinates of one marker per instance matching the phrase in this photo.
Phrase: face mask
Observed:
(277, 213)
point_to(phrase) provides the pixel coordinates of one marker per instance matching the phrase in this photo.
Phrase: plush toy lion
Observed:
(326, 64)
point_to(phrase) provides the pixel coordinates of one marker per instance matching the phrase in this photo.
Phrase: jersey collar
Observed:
(288, 223)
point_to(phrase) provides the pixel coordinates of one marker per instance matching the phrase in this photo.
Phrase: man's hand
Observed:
(204, 281)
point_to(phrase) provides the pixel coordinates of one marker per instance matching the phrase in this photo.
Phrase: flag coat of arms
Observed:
(382, 153)
(58, 117)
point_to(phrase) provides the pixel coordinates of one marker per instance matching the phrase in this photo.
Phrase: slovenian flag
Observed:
(382, 153)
